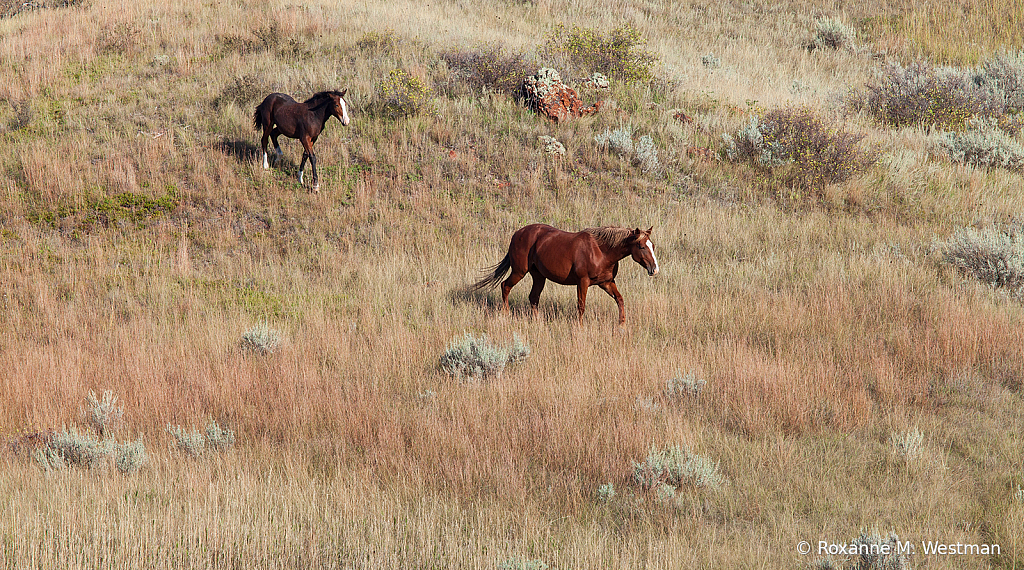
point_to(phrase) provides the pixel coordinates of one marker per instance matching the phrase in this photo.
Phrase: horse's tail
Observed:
(257, 117)
(495, 274)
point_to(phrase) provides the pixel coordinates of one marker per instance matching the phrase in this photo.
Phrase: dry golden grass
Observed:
(141, 239)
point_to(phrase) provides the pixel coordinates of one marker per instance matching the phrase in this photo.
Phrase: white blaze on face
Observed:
(344, 112)
(650, 246)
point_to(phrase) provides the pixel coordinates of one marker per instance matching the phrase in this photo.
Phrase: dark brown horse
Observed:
(304, 121)
(586, 258)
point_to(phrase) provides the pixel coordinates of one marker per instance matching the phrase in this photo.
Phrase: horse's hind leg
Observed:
(263, 143)
(277, 146)
(508, 284)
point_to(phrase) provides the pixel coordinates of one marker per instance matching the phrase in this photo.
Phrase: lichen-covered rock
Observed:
(551, 145)
(548, 96)
(597, 81)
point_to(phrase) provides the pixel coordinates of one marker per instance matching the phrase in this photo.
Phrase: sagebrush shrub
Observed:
(647, 153)
(688, 385)
(676, 466)
(620, 140)
(984, 143)
(643, 152)
(81, 450)
(605, 493)
(877, 553)
(620, 54)
(710, 61)
(993, 255)
(219, 438)
(832, 34)
(402, 94)
(191, 442)
(195, 443)
(262, 339)
(1006, 71)
(130, 457)
(469, 357)
(907, 445)
(522, 564)
(103, 415)
(488, 68)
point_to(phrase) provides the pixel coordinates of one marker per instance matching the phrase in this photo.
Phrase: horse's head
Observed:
(642, 250)
(340, 109)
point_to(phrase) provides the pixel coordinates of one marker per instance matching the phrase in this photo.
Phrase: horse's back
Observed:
(553, 251)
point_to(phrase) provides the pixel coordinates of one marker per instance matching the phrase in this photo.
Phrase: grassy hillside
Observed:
(810, 357)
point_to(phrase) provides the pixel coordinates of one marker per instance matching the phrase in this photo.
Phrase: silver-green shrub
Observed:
(620, 141)
(688, 385)
(49, 459)
(262, 339)
(219, 438)
(605, 493)
(195, 443)
(647, 153)
(79, 449)
(710, 61)
(129, 457)
(103, 415)
(832, 34)
(676, 466)
(983, 143)
(907, 445)
(522, 564)
(1006, 71)
(519, 351)
(749, 144)
(191, 442)
(877, 553)
(475, 358)
(995, 256)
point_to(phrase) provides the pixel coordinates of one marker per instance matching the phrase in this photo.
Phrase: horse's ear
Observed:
(344, 91)
(649, 230)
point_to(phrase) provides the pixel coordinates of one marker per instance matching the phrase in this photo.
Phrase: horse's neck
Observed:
(614, 254)
(321, 110)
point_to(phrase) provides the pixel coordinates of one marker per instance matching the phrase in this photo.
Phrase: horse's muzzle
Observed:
(652, 271)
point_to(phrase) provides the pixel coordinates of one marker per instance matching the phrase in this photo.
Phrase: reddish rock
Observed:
(548, 96)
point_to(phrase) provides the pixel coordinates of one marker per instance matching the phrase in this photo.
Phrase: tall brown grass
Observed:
(141, 239)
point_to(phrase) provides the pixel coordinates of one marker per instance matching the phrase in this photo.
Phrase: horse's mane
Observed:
(320, 98)
(611, 236)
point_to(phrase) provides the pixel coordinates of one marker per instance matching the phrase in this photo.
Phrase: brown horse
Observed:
(304, 121)
(586, 258)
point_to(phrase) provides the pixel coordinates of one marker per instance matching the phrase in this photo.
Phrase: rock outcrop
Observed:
(548, 96)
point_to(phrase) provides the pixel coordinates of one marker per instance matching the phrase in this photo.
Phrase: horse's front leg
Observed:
(302, 166)
(613, 290)
(307, 145)
(316, 177)
(581, 296)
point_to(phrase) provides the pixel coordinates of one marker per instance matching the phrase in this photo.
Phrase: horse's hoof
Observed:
(315, 188)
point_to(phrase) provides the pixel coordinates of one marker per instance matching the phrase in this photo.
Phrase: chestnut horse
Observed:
(586, 258)
(304, 121)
